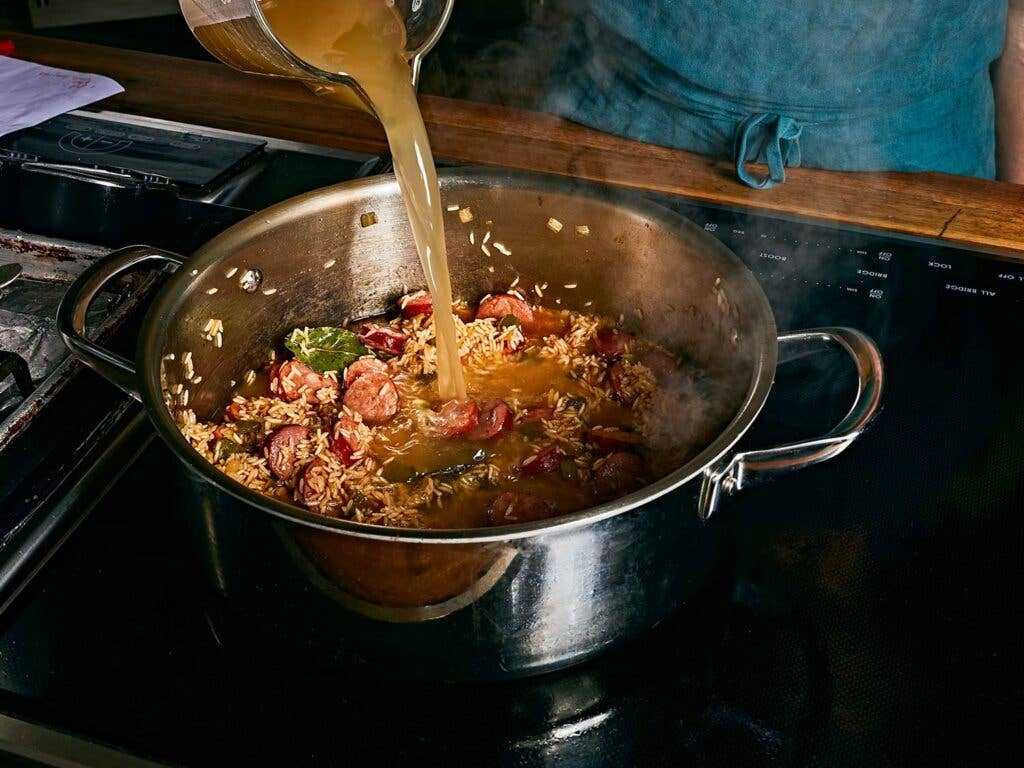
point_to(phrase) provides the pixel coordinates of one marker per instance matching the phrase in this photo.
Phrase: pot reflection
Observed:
(454, 610)
(398, 581)
(689, 692)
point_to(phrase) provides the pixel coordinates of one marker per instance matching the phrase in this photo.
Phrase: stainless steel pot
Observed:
(464, 603)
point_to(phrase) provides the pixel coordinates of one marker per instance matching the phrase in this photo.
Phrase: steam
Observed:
(561, 60)
(867, 86)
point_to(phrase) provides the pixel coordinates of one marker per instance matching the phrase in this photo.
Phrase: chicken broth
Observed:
(519, 382)
(366, 41)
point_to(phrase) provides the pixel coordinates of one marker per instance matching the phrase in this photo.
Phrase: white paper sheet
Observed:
(31, 93)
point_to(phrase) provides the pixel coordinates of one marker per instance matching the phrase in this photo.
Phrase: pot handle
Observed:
(734, 472)
(75, 304)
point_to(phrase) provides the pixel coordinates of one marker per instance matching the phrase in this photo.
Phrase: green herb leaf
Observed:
(457, 465)
(225, 448)
(508, 321)
(357, 501)
(397, 472)
(532, 430)
(568, 469)
(248, 433)
(577, 404)
(325, 349)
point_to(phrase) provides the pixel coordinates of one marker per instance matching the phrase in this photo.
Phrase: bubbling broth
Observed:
(365, 40)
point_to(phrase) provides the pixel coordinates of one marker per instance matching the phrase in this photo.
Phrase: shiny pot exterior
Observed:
(478, 603)
(491, 610)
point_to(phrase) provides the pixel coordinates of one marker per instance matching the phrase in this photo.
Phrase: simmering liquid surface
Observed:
(567, 411)
(365, 39)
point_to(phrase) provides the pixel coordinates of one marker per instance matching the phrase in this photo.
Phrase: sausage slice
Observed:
(616, 380)
(456, 418)
(373, 396)
(621, 473)
(501, 305)
(279, 448)
(312, 485)
(495, 419)
(664, 367)
(361, 366)
(514, 507)
(613, 438)
(382, 338)
(548, 460)
(297, 380)
(418, 303)
(611, 343)
(537, 413)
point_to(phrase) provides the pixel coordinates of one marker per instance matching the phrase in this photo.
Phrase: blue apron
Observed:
(845, 84)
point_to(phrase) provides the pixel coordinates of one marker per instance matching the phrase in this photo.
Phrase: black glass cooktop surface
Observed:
(865, 613)
(193, 160)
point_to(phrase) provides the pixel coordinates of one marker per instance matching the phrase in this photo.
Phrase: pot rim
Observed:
(222, 246)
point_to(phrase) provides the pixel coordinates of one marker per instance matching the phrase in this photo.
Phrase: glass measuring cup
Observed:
(237, 32)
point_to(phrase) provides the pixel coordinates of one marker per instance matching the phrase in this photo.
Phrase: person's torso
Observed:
(899, 84)
(815, 54)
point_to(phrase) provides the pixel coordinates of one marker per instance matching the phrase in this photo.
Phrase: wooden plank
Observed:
(961, 210)
(987, 227)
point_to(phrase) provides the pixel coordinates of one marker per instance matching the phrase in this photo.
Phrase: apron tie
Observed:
(781, 144)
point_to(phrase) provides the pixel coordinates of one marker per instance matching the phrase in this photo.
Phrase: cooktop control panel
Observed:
(854, 264)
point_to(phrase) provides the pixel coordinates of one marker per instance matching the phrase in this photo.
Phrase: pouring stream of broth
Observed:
(365, 39)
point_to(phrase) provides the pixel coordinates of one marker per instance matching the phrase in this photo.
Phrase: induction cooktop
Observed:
(864, 613)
